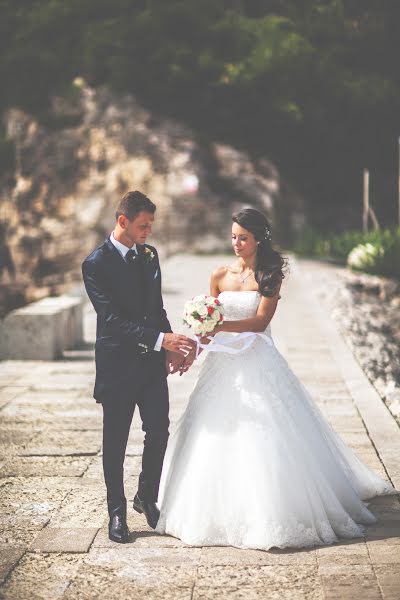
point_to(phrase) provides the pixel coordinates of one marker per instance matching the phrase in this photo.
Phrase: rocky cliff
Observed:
(88, 150)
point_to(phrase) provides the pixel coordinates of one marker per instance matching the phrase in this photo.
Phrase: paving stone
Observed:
(15, 436)
(386, 508)
(102, 582)
(62, 443)
(56, 539)
(53, 415)
(52, 466)
(32, 500)
(14, 440)
(84, 506)
(347, 424)
(275, 577)
(38, 397)
(147, 567)
(258, 593)
(8, 393)
(385, 554)
(389, 580)
(9, 556)
(343, 554)
(47, 380)
(384, 531)
(8, 379)
(41, 577)
(234, 556)
(356, 439)
(21, 533)
(348, 587)
(335, 568)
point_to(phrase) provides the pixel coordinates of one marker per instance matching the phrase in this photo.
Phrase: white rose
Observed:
(197, 328)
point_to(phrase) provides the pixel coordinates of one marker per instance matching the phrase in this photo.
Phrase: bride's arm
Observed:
(265, 312)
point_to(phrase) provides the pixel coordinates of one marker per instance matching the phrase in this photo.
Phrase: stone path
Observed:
(54, 541)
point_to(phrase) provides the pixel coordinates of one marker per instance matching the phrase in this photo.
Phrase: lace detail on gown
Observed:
(253, 463)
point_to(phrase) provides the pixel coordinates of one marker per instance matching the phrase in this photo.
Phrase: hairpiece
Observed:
(267, 235)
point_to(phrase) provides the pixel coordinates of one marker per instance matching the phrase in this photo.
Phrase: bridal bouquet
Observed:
(203, 314)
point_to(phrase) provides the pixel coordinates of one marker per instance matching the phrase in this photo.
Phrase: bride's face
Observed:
(243, 241)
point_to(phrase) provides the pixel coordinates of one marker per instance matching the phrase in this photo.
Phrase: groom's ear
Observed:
(123, 221)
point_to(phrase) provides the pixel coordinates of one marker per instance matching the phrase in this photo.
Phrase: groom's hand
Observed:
(188, 361)
(180, 344)
(173, 362)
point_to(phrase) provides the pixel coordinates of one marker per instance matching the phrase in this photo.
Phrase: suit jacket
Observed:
(127, 327)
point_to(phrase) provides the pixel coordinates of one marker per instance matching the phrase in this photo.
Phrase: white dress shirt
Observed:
(122, 249)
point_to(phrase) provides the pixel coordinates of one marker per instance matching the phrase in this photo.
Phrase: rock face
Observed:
(95, 146)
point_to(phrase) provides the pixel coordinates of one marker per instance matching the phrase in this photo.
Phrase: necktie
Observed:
(131, 256)
(137, 266)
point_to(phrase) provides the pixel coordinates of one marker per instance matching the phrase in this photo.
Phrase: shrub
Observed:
(376, 251)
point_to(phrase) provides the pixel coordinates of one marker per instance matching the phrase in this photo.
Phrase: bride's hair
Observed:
(271, 266)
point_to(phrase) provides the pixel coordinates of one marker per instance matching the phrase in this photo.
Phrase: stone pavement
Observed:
(54, 541)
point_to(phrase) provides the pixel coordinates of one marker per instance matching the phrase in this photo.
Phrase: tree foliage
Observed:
(313, 84)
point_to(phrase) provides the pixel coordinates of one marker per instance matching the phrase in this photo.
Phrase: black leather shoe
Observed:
(117, 528)
(149, 509)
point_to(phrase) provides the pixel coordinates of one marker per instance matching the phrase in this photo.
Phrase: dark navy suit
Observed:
(130, 316)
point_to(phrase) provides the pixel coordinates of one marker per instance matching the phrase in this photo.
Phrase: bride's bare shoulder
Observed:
(216, 280)
(219, 273)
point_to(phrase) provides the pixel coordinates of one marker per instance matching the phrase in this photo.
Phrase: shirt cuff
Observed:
(159, 342)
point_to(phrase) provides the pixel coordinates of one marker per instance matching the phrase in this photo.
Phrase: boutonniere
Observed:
(148, 254)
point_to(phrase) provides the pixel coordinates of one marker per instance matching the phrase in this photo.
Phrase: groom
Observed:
(135, 351)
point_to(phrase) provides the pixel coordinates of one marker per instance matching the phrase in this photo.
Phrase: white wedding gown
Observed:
(253, 463)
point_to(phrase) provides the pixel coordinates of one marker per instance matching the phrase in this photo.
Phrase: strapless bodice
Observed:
(240, 305)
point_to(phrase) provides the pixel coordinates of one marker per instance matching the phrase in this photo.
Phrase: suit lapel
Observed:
(149, 272)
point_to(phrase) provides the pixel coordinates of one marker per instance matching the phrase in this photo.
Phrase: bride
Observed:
(253, 463)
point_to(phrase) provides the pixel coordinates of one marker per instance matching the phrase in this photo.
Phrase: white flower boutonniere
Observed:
(149, 254)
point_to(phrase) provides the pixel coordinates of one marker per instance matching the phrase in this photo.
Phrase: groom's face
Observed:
(138, 228)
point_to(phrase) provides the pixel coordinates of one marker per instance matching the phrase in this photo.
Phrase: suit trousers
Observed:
(150, 394)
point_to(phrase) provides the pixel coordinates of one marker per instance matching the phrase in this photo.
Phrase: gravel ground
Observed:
(367, 310)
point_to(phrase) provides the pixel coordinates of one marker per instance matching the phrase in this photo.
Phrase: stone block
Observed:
(43, 329)
(55, 539)
(385, 554)
(41, 577)
(274, 577)
(385, 530)
(93, 582)
(64, 443)
(234, 556)
(47, 466)
(9, 556)
(343, 554)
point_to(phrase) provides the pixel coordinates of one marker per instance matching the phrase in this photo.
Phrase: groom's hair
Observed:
(132, 204)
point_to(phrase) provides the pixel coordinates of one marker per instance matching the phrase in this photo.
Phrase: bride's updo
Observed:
(270, 266)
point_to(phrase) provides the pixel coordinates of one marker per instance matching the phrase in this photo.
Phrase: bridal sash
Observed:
(246, 338)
